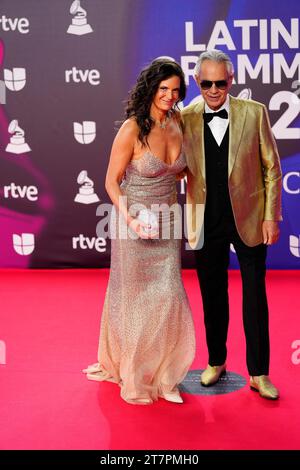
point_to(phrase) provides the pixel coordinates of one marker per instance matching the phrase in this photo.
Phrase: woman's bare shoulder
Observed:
(128, 132)
(130, 126)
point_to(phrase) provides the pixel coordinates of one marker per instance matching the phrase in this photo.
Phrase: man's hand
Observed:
(270, 231)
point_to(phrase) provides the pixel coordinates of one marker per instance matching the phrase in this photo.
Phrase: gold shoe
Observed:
(263, 385)
(212, 374)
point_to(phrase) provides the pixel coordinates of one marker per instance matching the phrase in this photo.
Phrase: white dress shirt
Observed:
(218, 125)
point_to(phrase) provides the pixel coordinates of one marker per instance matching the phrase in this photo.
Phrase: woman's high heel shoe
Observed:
(174, 397)
(140, 401)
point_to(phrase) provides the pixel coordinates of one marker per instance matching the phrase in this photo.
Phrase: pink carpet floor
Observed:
(49, 327)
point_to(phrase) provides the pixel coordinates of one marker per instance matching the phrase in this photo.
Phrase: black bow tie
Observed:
(209, 116)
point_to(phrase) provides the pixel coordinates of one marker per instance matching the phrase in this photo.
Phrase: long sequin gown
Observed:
(147, 339)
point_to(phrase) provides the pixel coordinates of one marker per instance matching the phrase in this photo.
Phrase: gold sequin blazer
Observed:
(254, 172)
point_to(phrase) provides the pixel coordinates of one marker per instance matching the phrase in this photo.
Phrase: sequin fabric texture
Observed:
(147, 339)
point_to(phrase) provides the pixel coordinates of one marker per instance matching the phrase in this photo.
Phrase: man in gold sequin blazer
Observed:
(233, 196)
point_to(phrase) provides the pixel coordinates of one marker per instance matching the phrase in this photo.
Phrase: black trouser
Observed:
(212, 268)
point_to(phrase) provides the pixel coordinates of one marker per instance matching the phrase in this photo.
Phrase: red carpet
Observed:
(49, 323)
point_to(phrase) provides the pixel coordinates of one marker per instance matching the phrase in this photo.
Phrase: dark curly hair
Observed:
(142, 94)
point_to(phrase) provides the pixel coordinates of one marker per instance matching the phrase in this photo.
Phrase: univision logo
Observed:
(84, 133)
(15, 79)
(24, 243)
(295, 245)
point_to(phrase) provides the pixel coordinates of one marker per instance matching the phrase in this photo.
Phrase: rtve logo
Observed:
(77, 76)
(84, 133)
(295, 245)
(291, 182)
(24, 243)
(14, 191)
(89, 243)
(13, 24)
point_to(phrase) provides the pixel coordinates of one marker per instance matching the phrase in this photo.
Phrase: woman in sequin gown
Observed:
(147, 340)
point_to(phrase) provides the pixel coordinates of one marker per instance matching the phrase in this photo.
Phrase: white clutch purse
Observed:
(148, 217)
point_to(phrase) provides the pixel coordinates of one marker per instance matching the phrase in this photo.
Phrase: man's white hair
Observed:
(216, 56)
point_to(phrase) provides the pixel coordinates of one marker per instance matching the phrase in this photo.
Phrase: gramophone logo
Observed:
(86, 194)
(295, 245)
(17, 142)
(15, 79)
(84, 133)
(24, 243)
(79, 25)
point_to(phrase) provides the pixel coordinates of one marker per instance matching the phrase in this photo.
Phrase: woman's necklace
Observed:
(162, 124)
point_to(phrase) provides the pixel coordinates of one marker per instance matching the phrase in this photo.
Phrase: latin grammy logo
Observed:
(86, 193)
(17, 141)
(79, 24)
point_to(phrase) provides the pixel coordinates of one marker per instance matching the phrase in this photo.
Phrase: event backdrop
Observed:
(66, 69)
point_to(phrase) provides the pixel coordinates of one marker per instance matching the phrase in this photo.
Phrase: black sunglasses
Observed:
(207, 84)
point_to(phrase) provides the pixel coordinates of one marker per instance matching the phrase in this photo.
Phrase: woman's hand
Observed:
(140, 228)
